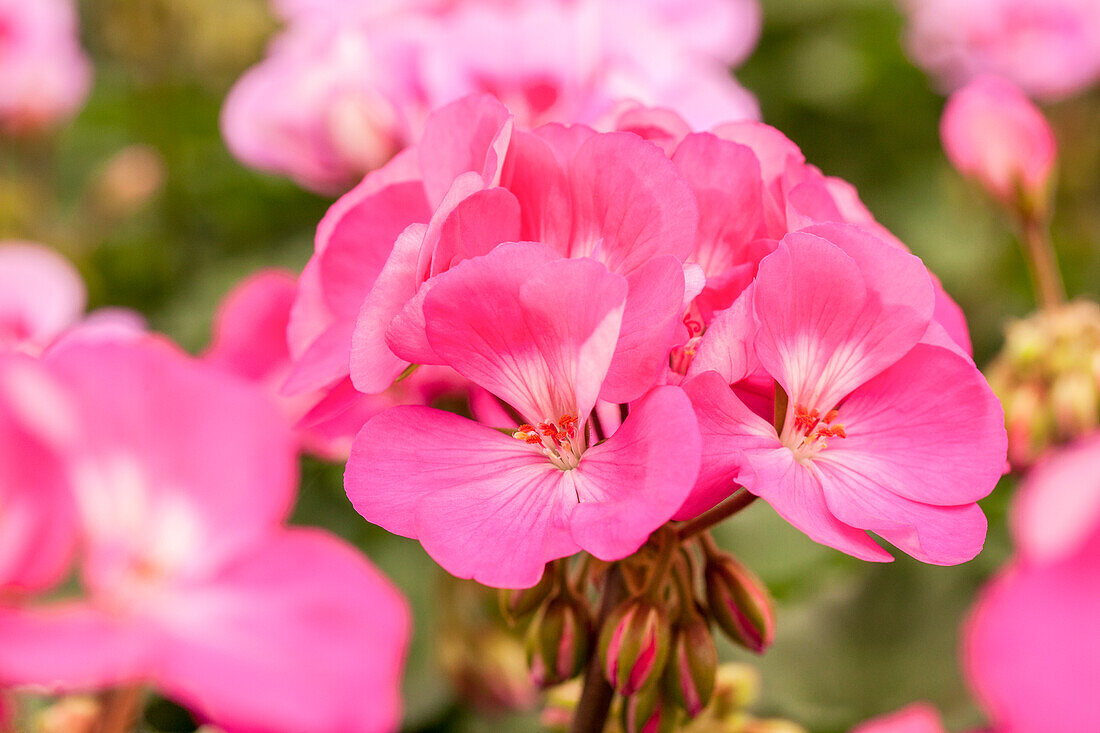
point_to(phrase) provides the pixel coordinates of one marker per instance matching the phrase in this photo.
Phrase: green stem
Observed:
(735, 503)
(1043, 263)
(595, 702)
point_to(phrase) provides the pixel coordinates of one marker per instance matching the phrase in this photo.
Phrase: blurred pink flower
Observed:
(349, 84)
(1049, 48)
(183, 477)
(539, 332)
(991, 132)
(889, 426)
(42, 299)
(41, 295)
(915, 718)
(44, 74)
(1030, 647)
(38, 531)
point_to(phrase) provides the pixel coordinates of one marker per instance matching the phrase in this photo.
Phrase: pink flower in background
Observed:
(37, 515)
(915, 718)
(44, 74)
(539, 332)
(1049, 48)
(991, 132)
(348, 84)
(889, 427)
(41, 295)
(1030, 647)
(42, 299)
(183, 477)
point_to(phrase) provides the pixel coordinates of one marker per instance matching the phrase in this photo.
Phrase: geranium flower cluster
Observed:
(348, 84)
(654, 317)
(143, 501)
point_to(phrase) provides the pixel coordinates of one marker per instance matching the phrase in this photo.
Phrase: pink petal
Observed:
(728, 428)
(773, 149)
(727, 183)
(941, 535)
(632, 483)
(324, 362)
(373, 365)
(471, 134)
(629, 203)
(38, 529)
(360, 242)
(795, 492)
(249, 332)
(1030, 647)
(73, 646)
(1057, 509)
(949, 315)
(651, 326)
(727, 345)
(929, 429)
(483, 504)
(829, 319)
(169, 438)
(538, 333)
(533, 173)
(662, 127)
(41, 294)
(302, 635)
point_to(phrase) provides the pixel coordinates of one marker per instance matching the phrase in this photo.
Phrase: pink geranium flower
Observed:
(1049, 48)
(44, 74)
(356, 80)
(540, 333)
(183, 477)
(888, 427)
(1030, 647)
(993, 133)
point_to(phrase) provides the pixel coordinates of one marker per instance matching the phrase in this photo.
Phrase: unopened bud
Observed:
(739, 603)
(72, 714)
(634, 645)
(559, 641)
(128, 180)
(1073, 401)
(692, 666)
(515, 604)
(649, 711)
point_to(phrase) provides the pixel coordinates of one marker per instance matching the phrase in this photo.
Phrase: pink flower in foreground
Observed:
(540, 333)
(37, 516)
(889, 427)
(1049, 48)
(351, 83)
(183, 477)
(916, 718)
(993, 133)
(44, 74)
(1030, 647)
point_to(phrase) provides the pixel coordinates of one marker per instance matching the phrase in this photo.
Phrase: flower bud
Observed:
(71, 714)
(739, 603)
(559, 640)
(735, 688)
(649, 711)
(634, 645)
(488, 668)
(515, 604)
(994, 134)
(693, 665)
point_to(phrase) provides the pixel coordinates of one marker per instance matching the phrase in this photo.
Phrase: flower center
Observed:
(680, 358)
(561, 442)
(809, 432)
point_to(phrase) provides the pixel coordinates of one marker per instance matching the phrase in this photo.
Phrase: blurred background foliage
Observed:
(168, 226)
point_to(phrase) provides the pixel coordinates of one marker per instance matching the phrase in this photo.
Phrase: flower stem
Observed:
(595, 702)
(735, 503)
(121, 708)
(1043, 263)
